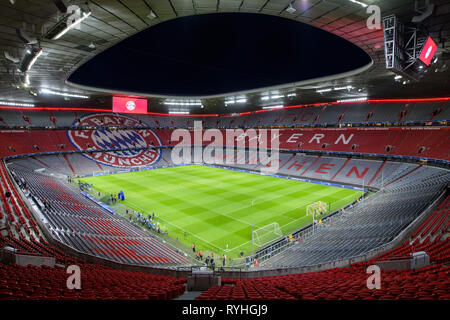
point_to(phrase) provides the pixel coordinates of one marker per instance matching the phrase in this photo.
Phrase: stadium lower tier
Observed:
(407, 190)
(346, 170)
(81, 224)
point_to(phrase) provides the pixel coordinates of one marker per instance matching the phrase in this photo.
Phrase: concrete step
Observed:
(189, 295)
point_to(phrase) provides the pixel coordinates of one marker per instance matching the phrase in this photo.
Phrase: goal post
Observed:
(266, 234)
(317, 210)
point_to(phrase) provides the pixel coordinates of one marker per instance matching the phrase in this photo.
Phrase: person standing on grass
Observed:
(193, 247)
(224, 260)
(201, 255)
(207, 261)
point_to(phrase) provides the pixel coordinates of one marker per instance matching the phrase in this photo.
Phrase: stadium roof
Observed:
(111, 21)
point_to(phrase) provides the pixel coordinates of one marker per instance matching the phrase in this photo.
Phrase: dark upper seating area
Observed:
(308, 115)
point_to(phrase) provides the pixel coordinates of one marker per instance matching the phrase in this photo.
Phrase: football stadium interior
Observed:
(174, 186)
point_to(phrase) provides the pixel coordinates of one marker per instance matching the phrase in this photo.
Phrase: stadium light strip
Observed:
(353, 100)
(343, 88)
(236, 101)
(17, 104)
(4, 106)
(183, 103)
(64, 94)
(360, 3)
(33, 61)
(178, 112)
(264, 98)
(274, 107)
(76, 22)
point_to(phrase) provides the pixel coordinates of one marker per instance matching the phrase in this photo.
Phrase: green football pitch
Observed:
(217, 208)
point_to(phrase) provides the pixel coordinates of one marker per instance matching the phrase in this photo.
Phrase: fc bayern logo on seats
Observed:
(127, 148)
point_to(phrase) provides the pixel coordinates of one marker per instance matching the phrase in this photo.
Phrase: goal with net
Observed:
(266, 234)
(317, 209)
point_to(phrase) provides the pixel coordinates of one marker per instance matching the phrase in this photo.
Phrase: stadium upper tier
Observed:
(364, 113)
(420, 142)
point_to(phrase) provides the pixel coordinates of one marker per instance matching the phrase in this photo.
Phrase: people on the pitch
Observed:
(224, 260)
(193, 247)
(201, 255)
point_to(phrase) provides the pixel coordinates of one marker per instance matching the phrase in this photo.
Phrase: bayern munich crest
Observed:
(107, 139)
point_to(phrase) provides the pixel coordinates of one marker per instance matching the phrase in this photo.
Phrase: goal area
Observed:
(266, 234)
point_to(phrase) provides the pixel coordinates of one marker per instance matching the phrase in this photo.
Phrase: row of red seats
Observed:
(420, 240)
(35, 247)
(97, 283)
(445, 209)
(20, 209)
(428, 220)
(429, 283)
(407, 141)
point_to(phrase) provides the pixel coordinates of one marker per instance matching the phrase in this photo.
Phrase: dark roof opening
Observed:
(213, 54)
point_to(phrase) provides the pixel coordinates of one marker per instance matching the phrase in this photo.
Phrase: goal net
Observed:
(317, 209)
(266, 234)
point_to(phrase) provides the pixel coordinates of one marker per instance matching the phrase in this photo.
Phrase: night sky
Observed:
(219, 53)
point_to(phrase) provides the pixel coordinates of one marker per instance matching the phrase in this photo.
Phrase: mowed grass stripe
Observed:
(216, 204)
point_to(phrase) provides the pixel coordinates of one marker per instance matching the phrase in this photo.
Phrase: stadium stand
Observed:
(406, 190)
(98, 282)
(369, 224)
(77, 222)
(420, 142)
(308, 115)
(428, 283)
